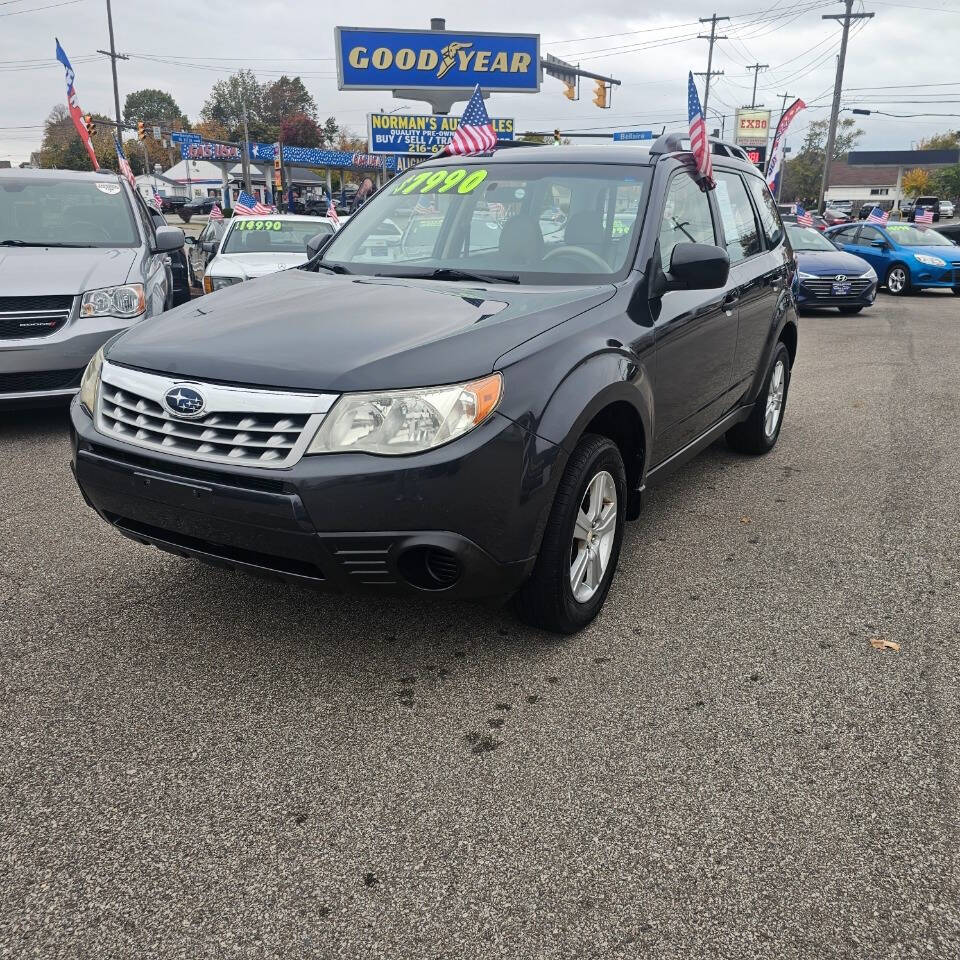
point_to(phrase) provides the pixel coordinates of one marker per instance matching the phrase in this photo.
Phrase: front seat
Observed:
(584, 229)
(521, 241)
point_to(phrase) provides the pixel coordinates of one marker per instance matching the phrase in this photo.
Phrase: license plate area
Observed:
(841, 289)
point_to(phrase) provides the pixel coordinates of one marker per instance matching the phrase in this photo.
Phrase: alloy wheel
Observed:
(778, 383)
(594, 533)
(896, 280)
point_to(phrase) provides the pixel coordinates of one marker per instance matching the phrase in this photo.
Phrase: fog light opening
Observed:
(429, 568)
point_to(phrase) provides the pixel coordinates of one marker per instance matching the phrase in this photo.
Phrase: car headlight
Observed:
(806, 276)
(930, 261)
(870, 274)
(396, 422)
(90, 382)
(126, 302)
(210, 284)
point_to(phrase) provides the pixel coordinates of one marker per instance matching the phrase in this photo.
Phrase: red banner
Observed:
(76, 114)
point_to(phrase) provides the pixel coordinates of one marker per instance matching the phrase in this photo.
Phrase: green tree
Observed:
(804, 171)
(152, 106)
(942, 141)
(225, 106)
(285, 98)
(330, 130)
(946, 182)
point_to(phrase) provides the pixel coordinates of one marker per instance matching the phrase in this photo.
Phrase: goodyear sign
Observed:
(377, 59)
(404, 133)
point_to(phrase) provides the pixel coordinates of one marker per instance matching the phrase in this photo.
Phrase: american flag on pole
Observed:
(332, 211)
(804, 217)
(157, 201)
(215, 213)
(474, 133)
(699, 142)
(124, 163)
(247, 206)
(425, 208)
(923, 215)
(877, 215)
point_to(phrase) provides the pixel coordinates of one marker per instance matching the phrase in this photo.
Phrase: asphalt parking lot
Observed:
(196, 764)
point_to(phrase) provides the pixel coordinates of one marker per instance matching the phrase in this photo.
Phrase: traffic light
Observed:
(141, 130)
(556, 138)
(90, 124)
(600, 93)
(570, 91)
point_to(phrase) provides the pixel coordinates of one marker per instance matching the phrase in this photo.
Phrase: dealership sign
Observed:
(404, 133)
(752, 127)
(378, 59)
(209, 151)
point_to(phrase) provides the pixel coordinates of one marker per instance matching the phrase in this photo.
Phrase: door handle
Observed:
(730, 300)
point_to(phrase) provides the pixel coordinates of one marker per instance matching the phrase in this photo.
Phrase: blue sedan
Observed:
(828, 277)
(905, 256)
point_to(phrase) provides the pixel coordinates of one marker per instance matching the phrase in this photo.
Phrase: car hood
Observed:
(823, 263)
(30, 271)
(315, 331)
(249, 265)
(950, 254)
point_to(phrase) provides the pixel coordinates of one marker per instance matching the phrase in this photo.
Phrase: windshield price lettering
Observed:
(258, 225)
(442, 181)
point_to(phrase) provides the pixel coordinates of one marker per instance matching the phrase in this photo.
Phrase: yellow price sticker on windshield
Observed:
(443, 181)
(258, 225)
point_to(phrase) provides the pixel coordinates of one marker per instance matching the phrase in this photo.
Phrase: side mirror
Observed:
(208, 246)
(189, 239)
(698, 266)
(881, 244)
(168, 239)
(316, 244)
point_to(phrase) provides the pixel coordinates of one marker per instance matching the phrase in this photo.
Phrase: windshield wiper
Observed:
(30, 243)
(451, 273)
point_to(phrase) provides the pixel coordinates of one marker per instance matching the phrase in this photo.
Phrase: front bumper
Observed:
(463, 521)
(924, 277)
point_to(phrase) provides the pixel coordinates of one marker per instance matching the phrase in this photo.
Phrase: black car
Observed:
(476, 414)
(203, 249)
(202, 205)
(951, 231)
(179, 272)
(172, 204)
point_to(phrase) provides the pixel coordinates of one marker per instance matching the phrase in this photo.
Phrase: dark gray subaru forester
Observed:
(467, 390)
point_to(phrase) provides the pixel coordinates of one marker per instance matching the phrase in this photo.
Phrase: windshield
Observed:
(266, 235)
(547, 222)
(806, 238)
(908, 235)
(40, 211)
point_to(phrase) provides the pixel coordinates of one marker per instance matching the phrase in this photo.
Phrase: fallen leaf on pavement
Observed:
(745, 520)
(881, 643)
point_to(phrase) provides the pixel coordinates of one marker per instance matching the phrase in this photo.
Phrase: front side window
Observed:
(547, 222)
(686, 218)
(769, 218)
(47, 211)
(869, 234)
(736, 213)
(269, 235)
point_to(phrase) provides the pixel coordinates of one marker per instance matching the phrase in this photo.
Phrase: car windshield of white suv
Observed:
(806, 238)
(269, 235)
(545, 222)
(908, 235)
(49, 212)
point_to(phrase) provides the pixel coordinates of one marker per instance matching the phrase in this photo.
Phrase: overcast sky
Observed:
(197, 41)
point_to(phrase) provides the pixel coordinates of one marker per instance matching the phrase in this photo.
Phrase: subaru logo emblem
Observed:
(184, 401)
(840, 278)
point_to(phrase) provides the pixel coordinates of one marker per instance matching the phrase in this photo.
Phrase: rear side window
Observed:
(686, 218)
(845, 235)
(769, 218)
(736, 213)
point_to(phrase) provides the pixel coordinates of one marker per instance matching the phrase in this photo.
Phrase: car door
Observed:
(695, 330)
(197, 254)
(877, 256)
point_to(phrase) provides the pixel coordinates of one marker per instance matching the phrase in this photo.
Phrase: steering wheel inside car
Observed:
(595, 259)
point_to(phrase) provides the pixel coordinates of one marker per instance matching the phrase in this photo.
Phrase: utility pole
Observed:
(114, 57)
(756, 68)
(245, 155)
(713, 38)
(846, 17)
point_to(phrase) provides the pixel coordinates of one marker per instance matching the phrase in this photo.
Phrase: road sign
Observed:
(405, 133)
(156, 133)
(178, 137)
(752, 127)
(371, 58)
(633, 135)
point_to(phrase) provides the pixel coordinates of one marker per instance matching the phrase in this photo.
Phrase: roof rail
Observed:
(680, 143)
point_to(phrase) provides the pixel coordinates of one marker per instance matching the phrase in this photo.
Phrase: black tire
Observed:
(849, 310)
(546, 600)
(899, 288)
(751, 436)
(956, 291)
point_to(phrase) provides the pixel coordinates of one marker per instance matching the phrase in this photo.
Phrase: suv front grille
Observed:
(23, 317)
(822, 287)
(252, 427)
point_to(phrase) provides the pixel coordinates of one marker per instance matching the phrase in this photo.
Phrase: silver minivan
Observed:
(80, 260)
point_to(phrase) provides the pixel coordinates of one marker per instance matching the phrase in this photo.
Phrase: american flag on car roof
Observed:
(215, 213)
(247, 206)
(474, 133)
(923, 215)
(804, 217)
(124, 163)
(699, 141)
(157, 201)
(332, 210)
(877, 215)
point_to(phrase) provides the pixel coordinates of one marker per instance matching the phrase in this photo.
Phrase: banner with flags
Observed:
(76, 114)
(775, 163)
